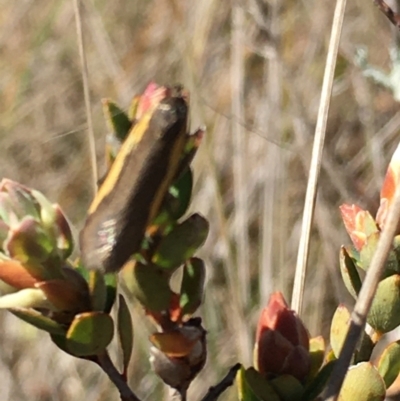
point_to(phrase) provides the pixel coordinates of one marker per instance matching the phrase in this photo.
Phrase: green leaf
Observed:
(82, 270)
(363, 383)
(117, 121)
(369, 224)
(349, 272)
(89, 333)
(29, 242)
(192, 145)
(20, 200)
(181, 190)
(192, 287)
(389, 363)
(36, 319)
(8, 212)
(97, 290)
(181, 243)
(317, 352)
(149, 285)
(287, 387)
(339, 326)
(111, 280)
(330, 356)
(125, 331)
(47, 211)
(384, 314)
(244, 389)
(176, 200)
(396, 249)
(254, 387)
(354, 255)
(368, 251)
(179, 195)
(316, 386)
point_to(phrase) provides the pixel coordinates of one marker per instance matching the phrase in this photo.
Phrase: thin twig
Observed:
(86, 93)
(215, 391)
(393, 17)
(364, 301)
(320, 129)
(183, 394)
(125, 392)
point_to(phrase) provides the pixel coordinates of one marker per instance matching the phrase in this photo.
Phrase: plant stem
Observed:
(106, 364)
(215, 391)
(315, 167)
(393, 17)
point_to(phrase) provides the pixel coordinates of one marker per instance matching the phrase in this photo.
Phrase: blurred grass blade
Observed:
(86, 92)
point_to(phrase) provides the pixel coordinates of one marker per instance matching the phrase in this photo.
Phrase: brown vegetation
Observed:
(254, 72)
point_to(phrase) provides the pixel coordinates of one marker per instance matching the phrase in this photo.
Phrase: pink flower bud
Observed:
(282, 341)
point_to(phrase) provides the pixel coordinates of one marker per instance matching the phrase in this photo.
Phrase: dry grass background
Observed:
(254, 71)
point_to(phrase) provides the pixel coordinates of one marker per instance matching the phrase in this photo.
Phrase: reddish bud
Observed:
(282, 341)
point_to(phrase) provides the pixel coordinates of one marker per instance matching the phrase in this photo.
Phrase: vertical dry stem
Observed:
(302, 256)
